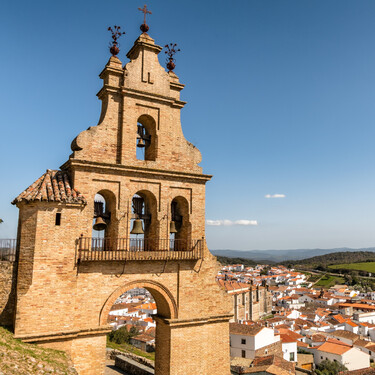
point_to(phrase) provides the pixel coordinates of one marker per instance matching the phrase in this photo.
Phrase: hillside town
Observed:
(281, 323)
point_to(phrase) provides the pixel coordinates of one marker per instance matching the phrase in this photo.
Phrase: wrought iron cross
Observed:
(145, 12)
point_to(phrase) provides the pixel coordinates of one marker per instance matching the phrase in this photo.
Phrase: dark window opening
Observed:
(143, 143)
(243, 354)
(243, 341)
(58, 218)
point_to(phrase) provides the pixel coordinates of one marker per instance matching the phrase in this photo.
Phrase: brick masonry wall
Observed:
(246, 307)
(275, 348)
(7, 292)
(65, 304)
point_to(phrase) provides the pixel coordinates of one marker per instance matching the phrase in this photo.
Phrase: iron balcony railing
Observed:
(104, 249)
(8, 249)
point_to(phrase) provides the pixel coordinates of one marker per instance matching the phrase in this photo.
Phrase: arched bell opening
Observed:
(103, 224)
(179, 226)
(146, 138)
(144, 223)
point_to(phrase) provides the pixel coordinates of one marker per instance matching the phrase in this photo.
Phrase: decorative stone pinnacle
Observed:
(144, 27)
(116, 33)
(170, 52)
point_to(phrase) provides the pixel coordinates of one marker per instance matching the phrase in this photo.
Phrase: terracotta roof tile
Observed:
(330, 347)
(274, 360)
(363, 371)
(52, 186)
(244, 329)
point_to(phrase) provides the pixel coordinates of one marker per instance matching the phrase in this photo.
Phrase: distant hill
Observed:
(335, 258)
(246, 262)
(276, 256)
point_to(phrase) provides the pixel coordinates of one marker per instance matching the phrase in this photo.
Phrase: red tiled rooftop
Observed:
(52, 186)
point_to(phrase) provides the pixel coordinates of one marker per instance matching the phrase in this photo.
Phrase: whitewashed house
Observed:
(249, 341)
(352, 358)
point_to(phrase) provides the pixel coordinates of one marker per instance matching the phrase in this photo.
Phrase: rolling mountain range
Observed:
(274, 256)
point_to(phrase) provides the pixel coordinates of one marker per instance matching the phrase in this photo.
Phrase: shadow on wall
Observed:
(8, 272)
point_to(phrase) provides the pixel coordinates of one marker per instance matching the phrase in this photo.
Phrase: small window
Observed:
(243, 354)
(58, 218)
(243, 341)
(291, 357)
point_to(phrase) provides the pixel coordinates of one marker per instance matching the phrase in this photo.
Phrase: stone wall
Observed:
(7, 292)
(113, 353)
(275, 348)
(132, 367)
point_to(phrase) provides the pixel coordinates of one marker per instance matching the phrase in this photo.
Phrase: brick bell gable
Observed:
(52, 186)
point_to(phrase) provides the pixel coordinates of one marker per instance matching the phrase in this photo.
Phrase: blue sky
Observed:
(280, 101)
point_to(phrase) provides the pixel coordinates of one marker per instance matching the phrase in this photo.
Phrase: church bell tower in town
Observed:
(126, 210)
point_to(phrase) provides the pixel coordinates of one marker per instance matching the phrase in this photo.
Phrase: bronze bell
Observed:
(172, 227)
(137, 227)
(99, 224)
(141, 143)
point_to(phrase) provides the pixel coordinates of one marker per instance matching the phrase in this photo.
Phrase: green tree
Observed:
(133, 331)
(122, 335)
(355, 278)
(328, 367)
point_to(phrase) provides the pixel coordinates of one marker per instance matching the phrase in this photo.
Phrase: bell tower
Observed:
(137, 180)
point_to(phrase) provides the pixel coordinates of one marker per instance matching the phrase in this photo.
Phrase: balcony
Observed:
(109, 249)
(8, 250)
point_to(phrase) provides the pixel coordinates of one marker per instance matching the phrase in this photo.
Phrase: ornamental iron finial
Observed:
(116, 33)
(170, 52)
(144, 27)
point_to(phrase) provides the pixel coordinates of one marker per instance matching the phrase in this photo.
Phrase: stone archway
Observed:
(166, 310)
(166, 305)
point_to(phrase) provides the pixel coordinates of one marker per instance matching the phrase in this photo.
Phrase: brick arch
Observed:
(165, 302)
(149, 123)
(184, 208)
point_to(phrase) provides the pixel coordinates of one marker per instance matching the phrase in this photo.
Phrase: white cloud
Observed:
(231, 222)
(274, 196)
(246, 222)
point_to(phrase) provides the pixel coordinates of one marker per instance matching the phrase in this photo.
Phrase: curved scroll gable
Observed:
(144, 71)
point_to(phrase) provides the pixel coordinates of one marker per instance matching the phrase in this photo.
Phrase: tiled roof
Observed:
(151, 331)
(285, 338)
(52, 186)
(244, 329)
(317, 337)
(344, 334)
(293, 335)
(233, 285)
(147, 306)
(330, 347)
(360, 306)
(302, 344)
(276, 363)
(363, 371)
(363, 343)
(339, 318)
(144, 337)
